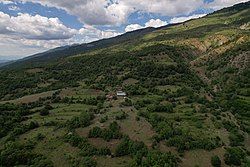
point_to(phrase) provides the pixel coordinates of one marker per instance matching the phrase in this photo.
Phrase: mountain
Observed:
(187, 98)
(5, 62)
(62, 52)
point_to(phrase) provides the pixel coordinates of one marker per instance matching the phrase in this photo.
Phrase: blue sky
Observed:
(31, 26)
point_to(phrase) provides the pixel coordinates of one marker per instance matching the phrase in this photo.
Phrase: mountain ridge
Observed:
(187, 92)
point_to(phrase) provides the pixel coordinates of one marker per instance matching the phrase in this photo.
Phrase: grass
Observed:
(35, 70)
(113, 162)
(137, 130)
(60, 156)
(30, 98)
(130, 81)
(46, 131)
(101, 143)
(184, 108)
(60, 113)
(51, 145)
(201, 158)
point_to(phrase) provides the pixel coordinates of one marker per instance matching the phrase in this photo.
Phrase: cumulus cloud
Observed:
(92, 12)
(34, 27)
(40, 33)
(110, 12)
(156, 23)
(151, 23)
(165, 7)
(183, 19)
(115, 12)
(90, 33)
(219, 4)
(133, 27)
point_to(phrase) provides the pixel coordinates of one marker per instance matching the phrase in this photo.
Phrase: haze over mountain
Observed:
(175, 95)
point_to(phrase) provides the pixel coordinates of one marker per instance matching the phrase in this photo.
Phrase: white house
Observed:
(120, 93)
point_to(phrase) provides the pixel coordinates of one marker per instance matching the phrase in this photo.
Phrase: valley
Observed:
(187, 100)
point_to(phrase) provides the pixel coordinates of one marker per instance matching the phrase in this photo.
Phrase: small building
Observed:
(121, 94)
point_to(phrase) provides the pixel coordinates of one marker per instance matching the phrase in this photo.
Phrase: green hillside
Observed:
(187, 103)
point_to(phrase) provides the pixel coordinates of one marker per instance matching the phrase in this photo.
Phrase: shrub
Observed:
(161, 108)
(121, 115)
(88, 162)
(215, 161)
(44, 112)
(127, 102)
(103, 119)
(129, 147)
(40, 136)
(155, 158)
(113, 132)
(234, 156)
(83, 120)
(236, 139)
(48, 107)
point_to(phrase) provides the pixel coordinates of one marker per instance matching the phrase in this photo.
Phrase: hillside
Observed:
(5, 62)
(187, 102)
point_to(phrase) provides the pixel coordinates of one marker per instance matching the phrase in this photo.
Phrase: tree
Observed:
(48, 107)
(44, 112)
(88, 162)
(215, 161)
(234, 156)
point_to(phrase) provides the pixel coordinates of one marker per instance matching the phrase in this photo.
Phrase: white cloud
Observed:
(13, 48)
(90, 33)
(110, 12)
(92, 12)
(219, 4)
(41, 33)
(151, 23)
(116, 12)
(34, 27)
(183, 19)
(6, 2)
(156, 23)
(165, 7)
(133, 27)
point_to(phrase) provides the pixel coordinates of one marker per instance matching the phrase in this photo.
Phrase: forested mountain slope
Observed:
(187, 89)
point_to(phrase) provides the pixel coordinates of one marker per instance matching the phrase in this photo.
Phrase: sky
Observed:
(28, 27)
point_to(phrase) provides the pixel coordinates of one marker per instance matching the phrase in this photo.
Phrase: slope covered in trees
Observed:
(187, 89)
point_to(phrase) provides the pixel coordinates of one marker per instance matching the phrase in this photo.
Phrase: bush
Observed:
(155, 158)
(95, 132)
(121, 115)
(127, 102)
(44, 112)
(88, 162)
(48, 107)
(113, 132)
(104, 119)
(83, 120)
(39, 137)
(161, 108)
(236, 139)
(86, 148)
(129, 147)
(215, 161)
(15, 154)
(234, 156)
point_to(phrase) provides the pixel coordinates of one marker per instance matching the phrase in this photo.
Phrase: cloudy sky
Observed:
(31, 26)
